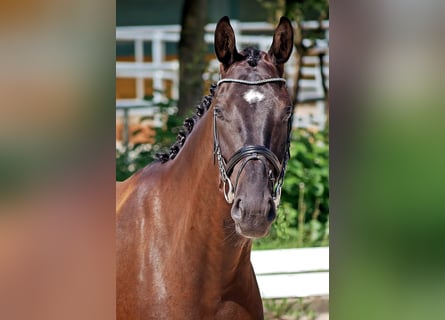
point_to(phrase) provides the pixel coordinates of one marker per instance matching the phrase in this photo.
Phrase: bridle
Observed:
(250, 152)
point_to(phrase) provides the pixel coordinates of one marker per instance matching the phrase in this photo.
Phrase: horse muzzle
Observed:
(251, 222)
(253, 209)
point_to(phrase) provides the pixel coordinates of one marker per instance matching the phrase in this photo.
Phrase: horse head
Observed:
(252, 119)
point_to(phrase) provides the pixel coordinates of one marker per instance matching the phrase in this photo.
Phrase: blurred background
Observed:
(57, 87)
(58, 156)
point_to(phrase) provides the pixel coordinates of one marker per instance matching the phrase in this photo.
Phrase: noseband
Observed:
(250, 152)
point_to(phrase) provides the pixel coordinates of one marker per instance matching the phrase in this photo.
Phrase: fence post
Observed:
(126, 129)
(158, 53)
(139, 56)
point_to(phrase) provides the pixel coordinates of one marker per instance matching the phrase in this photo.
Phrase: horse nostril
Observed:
(272, 212)
(237, 203)
(236, 210)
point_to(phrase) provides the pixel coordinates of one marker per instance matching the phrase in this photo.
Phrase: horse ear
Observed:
(283, 41)
(225, 47)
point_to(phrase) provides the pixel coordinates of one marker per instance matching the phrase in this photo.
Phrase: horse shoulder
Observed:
(133, 219)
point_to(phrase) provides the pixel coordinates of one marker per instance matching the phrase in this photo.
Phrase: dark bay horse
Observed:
(185, 224)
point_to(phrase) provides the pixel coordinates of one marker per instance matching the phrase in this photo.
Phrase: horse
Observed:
(185, 223)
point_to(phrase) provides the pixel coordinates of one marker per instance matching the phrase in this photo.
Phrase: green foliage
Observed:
(131, 159)
(291, 308)
(296, 9)
(308, 9)
(134, 157)
(303, 216)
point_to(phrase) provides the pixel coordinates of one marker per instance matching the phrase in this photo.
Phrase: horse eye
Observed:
(219, 113)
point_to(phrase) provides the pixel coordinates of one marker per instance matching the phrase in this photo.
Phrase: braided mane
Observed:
(252, 56)
(189, 123)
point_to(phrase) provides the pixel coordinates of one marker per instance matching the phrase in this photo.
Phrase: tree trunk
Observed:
(192, 52)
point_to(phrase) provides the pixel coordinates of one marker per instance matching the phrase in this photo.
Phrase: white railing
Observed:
(160, 69)
(290, 273)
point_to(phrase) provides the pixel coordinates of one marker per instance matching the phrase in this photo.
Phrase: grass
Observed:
(295, 308)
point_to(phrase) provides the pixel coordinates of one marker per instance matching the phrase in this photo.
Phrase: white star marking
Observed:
(253, 96)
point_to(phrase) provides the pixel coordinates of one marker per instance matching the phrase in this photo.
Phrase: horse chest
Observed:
(195, 292)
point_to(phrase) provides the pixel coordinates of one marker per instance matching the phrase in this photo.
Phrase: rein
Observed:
(250, 152)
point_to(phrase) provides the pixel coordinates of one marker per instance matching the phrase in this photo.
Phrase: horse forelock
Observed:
(251, 55)
(189, 124)
(253, 65)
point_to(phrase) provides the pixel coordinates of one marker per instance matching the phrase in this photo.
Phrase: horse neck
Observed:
(206, 221)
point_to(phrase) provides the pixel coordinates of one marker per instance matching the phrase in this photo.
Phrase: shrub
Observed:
(303, 216)
(134, 157)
